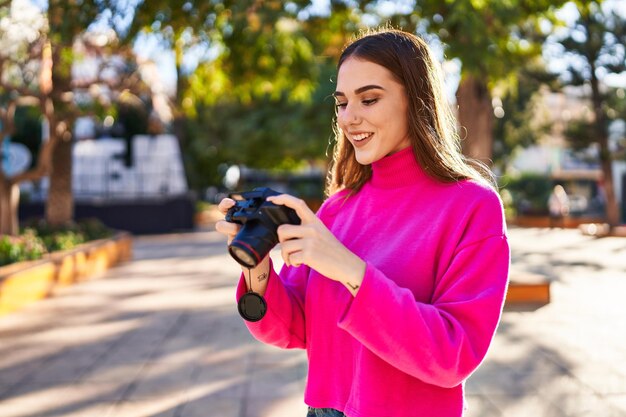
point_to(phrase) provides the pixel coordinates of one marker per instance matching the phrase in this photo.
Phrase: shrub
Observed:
(38, 238)
(529, 192)
(70, 235)
(26, 247)
(94, 229)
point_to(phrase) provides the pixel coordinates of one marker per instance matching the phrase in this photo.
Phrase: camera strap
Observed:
(251, 305)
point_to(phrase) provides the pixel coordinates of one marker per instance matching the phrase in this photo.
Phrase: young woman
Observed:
(395, 287)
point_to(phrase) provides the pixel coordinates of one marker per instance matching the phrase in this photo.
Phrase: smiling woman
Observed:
(372, 116)
(395, 286)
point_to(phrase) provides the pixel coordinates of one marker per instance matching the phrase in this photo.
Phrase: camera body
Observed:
(260, 220)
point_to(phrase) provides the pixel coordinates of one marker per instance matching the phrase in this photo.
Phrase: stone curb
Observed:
(23, 283)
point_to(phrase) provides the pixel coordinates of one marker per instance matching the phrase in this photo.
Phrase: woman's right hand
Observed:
(222, 226)
(262, 271)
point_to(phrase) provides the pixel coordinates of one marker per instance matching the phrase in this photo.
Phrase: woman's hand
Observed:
(259, 273)
(224, 227)
(312, 244)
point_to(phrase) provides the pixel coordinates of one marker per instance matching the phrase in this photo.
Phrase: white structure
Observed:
(156, 170)
(99, 171)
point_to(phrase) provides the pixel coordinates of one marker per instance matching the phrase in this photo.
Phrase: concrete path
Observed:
(160, 336)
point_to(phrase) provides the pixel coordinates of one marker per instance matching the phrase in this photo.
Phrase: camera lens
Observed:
(253, 242)
(242, 254)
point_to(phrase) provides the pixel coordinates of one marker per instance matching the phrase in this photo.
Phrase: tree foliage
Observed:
(520, 120)
(492, 38)
(264, 133)
(272, 53)
(245, 49)
(259, 93)
(596, 41)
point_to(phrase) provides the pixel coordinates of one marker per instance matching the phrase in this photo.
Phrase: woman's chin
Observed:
(362, 156)
(363, 159)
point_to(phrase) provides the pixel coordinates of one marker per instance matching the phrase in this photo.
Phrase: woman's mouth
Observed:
(361, 139)
(361, 136)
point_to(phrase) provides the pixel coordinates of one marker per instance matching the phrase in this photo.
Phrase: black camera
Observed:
(260, 220)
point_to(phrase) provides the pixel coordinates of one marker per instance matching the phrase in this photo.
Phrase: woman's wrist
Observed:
(353, 275)
(256, 278)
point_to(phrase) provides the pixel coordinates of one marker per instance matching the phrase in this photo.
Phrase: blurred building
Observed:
(135, 182)
(578, 171)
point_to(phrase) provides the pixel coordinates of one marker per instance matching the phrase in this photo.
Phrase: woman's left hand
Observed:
(312, 244)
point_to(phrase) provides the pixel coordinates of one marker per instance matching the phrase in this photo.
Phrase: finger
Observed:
(225, 204)
(289, 247)
(227, 228)
(290, 231)
(292, 259)
(296, 258)
(284, 252)
(285, 258)
(292, 252)
(298, 205)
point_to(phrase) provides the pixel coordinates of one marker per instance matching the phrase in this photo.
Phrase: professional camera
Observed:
(260, 220)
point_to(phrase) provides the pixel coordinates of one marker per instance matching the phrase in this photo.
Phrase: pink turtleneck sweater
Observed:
(437, 265)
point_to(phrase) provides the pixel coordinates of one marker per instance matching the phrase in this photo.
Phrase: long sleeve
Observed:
(284, 324)
(442, 342)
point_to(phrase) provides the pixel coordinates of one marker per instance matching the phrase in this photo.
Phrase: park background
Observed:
(143, 115)
(244, 89)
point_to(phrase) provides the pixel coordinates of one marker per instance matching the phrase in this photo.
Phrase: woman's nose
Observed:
(348, 115)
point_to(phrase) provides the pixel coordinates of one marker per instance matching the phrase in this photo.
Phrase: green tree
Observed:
(245, 50)
(492, 39)
(260, 91)
(264, 133)
(597, 43)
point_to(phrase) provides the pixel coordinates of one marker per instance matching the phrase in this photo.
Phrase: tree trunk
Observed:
(601, 130)
(60, 203)
(475, 118)
(9, 190)
(59, 112)
(179, 124)
(612, 209)
(9, 200)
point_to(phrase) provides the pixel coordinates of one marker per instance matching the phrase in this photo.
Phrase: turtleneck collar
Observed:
(397, 170)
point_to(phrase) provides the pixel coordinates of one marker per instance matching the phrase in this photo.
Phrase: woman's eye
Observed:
(341, 105)
(370, 101)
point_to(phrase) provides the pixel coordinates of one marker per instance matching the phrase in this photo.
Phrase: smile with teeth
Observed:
(361, 136)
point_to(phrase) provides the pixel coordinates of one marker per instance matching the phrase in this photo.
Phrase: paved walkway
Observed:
(160, 336)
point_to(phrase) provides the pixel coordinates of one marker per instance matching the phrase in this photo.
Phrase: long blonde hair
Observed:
(432, 127)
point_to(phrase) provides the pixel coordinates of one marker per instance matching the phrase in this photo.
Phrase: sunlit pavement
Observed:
(160, 336)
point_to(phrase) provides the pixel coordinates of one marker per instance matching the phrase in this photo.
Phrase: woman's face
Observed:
(371, 110)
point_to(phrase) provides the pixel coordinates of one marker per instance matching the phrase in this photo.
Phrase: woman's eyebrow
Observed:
(360, 90)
